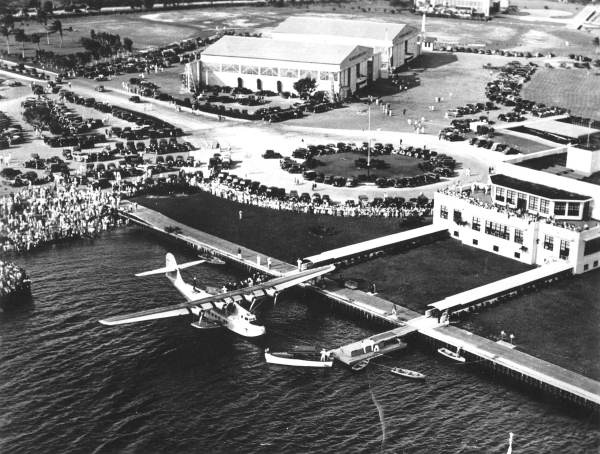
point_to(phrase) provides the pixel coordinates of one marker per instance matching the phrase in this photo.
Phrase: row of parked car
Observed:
(11, 133)
(471, 109)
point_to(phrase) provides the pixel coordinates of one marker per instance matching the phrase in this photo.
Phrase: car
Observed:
(99, 88)
(135, 99)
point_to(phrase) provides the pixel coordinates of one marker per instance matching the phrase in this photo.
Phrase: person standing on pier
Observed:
(269, 263)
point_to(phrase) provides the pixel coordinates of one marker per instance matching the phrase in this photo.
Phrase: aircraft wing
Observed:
(159, 312)
(195, 307)
(270, 287)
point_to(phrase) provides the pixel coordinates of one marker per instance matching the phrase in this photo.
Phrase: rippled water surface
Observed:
(71, 385)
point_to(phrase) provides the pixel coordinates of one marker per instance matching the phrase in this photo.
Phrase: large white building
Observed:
(528, 215)
(393, 44)
(269, 64)
(485, 7)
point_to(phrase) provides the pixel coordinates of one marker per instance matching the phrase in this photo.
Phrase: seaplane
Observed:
(220, 310)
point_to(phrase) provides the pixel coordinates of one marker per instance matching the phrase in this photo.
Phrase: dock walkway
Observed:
(204, 241)
(376, 244)
(501, 287)
(526, 367)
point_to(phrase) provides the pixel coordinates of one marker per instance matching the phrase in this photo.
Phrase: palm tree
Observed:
(56, 26)
(21, 37)
(4, 31)
(35, 39)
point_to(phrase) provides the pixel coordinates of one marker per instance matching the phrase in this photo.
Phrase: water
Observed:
(71, 385)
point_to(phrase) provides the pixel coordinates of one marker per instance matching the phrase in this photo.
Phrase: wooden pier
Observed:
(502, 358)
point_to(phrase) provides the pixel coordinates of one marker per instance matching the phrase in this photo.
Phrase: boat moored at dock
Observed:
(456, 356)
(310, 358)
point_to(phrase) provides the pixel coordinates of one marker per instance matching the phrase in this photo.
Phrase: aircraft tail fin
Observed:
(171, 268)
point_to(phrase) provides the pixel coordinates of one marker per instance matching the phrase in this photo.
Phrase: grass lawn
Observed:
(567, 316)
(520, 143)
(281, 234)
(575, 89)
(424, 275)
(343, 165)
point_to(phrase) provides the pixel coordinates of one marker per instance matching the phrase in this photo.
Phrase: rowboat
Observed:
(297, 359)
(452, 355)
(360, 365)
(407, 373)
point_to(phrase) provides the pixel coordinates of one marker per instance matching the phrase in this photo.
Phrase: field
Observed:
(280, 234)
(429, 273)
(575, 89)
(343, 165)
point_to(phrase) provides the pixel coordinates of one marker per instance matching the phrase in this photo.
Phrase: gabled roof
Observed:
(540, 190)
(271, 49)
(353, 29)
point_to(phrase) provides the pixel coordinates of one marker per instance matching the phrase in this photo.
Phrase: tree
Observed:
(127, 44)
(21, 37)
(4, 31)
(305, 86)
(9, 21)
(56, 26)
(596, 41)
(47, 7)
(148, 4)
(35, 39)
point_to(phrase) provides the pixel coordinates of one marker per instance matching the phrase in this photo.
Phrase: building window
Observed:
(213, 67)
(443, 212)
(495, 248)
(358, 70)
(534, 203)
(476, 224)
(230, 68)
(585, 267)
(518, 236)
(308, 74)
(560, 208)
(288, 72)
(495, 229)
(457, 217)
(517, 255)
(499, 194)
(591, 246)
(324, 75)
(269, 72)
(564, 249)
(475, 242)
(510, 197)
(573, 209)
(544, 206)
(595, 263)
(456, 233)
(548, 242)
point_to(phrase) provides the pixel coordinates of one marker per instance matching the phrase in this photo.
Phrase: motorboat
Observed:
(360, 365)
(407, 373)
(299, 359)
(456, 356)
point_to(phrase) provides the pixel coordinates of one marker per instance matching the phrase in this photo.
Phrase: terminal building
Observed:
(393, 44)
(526, 214)
(269, 64)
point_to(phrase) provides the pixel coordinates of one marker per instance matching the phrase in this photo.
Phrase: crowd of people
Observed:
(36, 216)
(13, 279)
(356, 210)
(254, 279)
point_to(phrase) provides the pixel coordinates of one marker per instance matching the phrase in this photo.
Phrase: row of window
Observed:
(534, 203)
(269, 71)
(502, 231)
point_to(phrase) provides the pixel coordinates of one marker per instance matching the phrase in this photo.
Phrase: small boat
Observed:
(360, 365)
(211, 259)
(299, 359)
(452, 355)
(407, 373)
